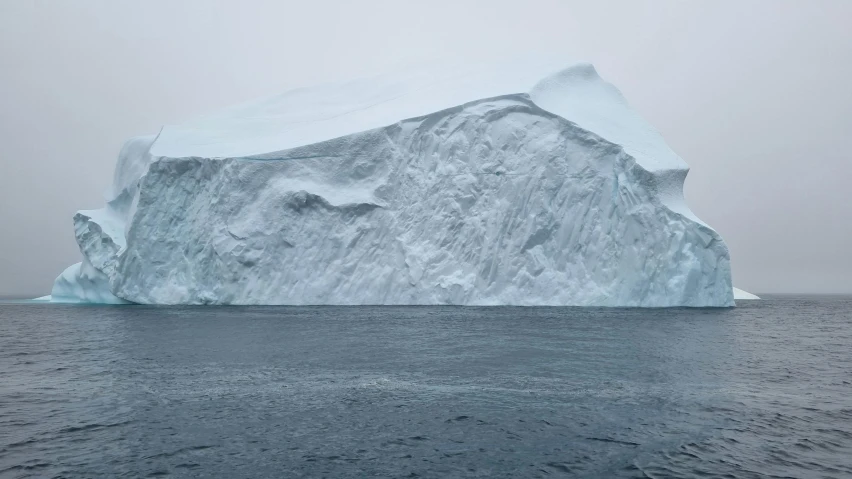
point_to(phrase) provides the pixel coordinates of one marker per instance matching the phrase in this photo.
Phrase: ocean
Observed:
(761, 390)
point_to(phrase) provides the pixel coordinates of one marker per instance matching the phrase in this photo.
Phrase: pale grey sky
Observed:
(755, 95)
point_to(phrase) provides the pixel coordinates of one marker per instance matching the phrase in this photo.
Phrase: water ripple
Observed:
(758, 391)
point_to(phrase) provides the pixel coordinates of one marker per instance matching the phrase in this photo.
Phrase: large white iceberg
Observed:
(529, 183)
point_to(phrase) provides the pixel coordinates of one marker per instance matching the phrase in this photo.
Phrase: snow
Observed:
(740, 294)
(525, 183)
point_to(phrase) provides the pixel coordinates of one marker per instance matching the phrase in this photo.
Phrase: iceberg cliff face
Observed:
(529, 184)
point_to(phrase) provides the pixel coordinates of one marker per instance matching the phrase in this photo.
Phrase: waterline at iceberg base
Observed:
(528, 183)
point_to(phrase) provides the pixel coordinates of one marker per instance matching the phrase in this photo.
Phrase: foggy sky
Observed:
(754, 95)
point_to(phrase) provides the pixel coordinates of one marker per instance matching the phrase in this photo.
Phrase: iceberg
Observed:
(740, 294)
(525, 183)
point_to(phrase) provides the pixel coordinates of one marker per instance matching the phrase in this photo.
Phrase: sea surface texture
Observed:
(762, 390)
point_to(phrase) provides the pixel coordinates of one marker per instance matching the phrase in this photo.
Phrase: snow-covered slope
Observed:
(527, 183)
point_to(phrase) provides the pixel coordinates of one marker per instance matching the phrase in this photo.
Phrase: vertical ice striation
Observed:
(527, 184)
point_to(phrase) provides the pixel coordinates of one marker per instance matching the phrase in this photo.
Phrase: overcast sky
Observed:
(754, 95)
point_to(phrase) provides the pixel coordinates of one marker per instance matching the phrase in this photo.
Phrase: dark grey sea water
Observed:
(763, 390)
